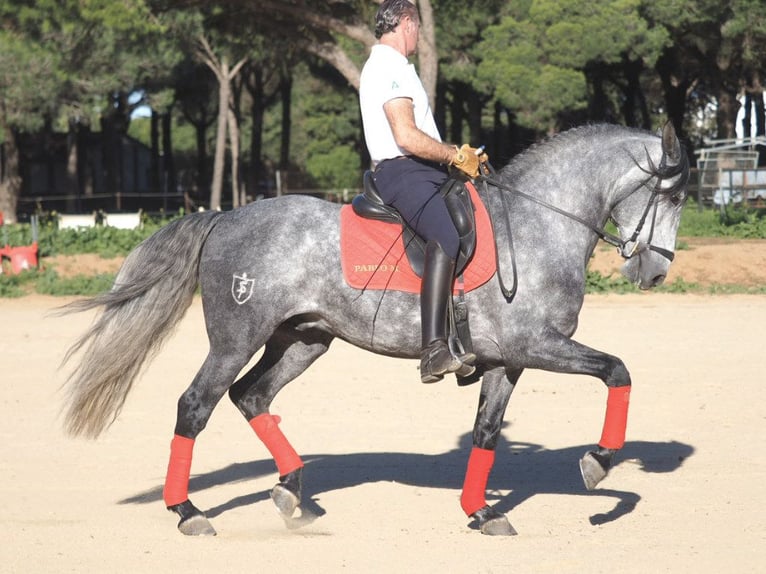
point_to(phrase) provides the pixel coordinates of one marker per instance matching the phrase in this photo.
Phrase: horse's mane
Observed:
(553, 147)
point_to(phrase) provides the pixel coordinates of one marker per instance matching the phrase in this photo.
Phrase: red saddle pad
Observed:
(372, 252)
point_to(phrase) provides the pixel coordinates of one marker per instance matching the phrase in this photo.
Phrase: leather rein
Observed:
(622, 245)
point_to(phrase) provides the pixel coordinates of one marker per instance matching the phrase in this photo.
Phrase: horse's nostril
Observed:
(658, 280)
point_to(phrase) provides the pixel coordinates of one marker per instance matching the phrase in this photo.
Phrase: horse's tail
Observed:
(151, 293)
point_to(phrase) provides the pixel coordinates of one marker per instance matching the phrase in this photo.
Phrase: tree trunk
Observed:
(635, 109)
(72, 172)
(171, 182)
(675, 87)
(428, 57)
(154, 166)
(114, 125)
(10, 183)
(200, 130)
(231, 119)
(726, 115)
(747, 117)
(220, 137)
(285, 89)
(456, 113)
(256, 90)
(758, 106)
(760, 114)
(224, 73)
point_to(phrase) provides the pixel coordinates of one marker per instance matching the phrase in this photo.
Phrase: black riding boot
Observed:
(436, 359)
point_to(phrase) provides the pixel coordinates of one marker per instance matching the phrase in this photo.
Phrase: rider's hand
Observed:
(468, 159)
(484, 167)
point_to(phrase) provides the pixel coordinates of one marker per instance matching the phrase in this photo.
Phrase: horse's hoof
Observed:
(193, 521)
(196, 525)
(493, 523)
(498, 527)
(285, 500)
(592, 470)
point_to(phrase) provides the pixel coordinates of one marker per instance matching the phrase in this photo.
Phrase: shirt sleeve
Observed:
(398, 84)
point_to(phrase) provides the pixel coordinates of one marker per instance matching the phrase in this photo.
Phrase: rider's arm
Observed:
(401, 118)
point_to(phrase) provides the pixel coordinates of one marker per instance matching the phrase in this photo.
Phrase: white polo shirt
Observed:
(388, 75)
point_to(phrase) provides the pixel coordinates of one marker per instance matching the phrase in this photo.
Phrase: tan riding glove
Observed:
(469, 159)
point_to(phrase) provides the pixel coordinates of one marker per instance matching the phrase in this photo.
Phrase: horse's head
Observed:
(649, 210)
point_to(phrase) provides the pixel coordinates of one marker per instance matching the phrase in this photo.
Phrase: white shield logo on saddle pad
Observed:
(242, 288)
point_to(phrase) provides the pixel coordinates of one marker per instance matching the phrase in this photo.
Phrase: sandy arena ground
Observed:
(385, 458)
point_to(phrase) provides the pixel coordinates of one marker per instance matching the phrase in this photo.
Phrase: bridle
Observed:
(661, 173)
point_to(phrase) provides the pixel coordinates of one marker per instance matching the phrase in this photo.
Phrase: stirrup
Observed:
(449, 361)
(437, 360)
(467, 359)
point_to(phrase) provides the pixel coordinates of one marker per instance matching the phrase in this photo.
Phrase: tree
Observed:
(61, 58)
(224, 73)
(195, 96)
(558, 59)
(717, 53)
(28, 85)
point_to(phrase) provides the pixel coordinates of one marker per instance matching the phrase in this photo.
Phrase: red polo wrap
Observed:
(267, 429)
(476, 475)
(616, 418)
(176, 488)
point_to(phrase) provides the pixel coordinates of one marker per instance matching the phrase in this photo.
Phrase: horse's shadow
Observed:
(526, 469)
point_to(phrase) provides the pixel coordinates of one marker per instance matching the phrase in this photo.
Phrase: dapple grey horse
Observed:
(270, 278)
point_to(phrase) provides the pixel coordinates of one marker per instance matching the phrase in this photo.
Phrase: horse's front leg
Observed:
(595, 464)
(496, 388)
(563, 355)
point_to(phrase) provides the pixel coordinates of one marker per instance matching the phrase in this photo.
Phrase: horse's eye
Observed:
(676, 199)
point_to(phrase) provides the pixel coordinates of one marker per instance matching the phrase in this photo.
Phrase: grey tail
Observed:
(150, 295)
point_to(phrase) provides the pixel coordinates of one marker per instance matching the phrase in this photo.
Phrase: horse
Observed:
(270, 279)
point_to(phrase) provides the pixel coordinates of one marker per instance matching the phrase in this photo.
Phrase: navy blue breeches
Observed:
(411, 186)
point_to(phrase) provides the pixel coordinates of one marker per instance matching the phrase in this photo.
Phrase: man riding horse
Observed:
(410, 169)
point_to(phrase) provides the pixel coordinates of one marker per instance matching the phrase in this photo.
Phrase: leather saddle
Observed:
(370, 205)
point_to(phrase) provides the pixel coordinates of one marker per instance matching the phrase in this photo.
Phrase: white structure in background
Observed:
(728, 169)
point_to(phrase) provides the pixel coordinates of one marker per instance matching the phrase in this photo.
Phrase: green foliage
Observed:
(336, 168)
(71, 53)
(28, 80)
(459, 25)
(595, 282)
(738, 222)
(12, 286)
(537, 62)
(49, 283)
(327, 130)
(679, 286)
(515, 65)
(102, 240)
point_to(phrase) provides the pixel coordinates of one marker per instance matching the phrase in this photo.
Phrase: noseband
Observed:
(622, 246)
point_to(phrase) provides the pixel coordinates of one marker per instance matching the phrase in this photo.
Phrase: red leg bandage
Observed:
(616, 419)
(176, 488)
(476, 475)
(265, 426)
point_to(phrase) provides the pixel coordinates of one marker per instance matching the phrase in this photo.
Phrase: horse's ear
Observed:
(670, 144)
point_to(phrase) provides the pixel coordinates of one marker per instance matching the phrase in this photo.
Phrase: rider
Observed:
(410, 167)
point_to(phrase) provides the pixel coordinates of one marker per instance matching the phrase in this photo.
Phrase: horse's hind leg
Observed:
(287, 354)
(195, 406)
(496, 388)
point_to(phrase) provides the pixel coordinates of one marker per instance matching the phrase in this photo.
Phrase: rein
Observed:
(620, 244)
